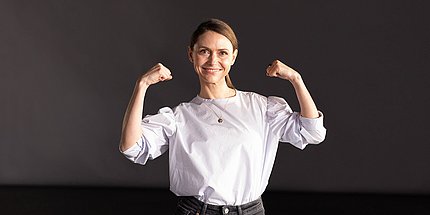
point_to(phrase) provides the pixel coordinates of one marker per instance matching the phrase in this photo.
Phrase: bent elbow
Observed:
(316, 136)
(319, 137)
(124, 147)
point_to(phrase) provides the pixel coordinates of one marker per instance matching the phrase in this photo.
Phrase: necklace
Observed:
(220, 119)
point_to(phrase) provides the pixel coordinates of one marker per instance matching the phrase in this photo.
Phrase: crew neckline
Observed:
(218, 99)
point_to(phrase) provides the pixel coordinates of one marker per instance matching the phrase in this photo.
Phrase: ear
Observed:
(190, 54)
(235, 53)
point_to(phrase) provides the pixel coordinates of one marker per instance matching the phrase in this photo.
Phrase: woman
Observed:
(222, 144)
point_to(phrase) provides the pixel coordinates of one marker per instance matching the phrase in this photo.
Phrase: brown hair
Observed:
(219, 27)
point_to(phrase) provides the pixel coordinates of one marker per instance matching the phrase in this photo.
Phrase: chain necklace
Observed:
(220, 119)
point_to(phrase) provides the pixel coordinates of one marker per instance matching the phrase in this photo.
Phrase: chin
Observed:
(210, 80)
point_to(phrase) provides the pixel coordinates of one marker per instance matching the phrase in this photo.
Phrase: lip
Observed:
(211, 69)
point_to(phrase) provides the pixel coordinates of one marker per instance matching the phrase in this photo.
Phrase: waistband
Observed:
(224, 209)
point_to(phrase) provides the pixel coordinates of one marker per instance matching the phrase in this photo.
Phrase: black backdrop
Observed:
(67, 70)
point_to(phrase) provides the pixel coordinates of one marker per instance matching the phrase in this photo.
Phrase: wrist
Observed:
(142, 83)
(296, 79)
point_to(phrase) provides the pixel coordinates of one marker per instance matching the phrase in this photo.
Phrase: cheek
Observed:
(227, 62)
(199, 60)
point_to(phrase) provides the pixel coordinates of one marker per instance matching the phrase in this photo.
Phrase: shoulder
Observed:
(186, 106)
(269, 101)
(252, 99)
(251, 95)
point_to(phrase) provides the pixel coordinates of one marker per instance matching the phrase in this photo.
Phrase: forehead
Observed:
(213, 40)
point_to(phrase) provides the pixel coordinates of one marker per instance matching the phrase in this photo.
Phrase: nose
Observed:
(213, 58)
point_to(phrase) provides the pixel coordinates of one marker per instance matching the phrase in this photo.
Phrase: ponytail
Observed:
(229, 83)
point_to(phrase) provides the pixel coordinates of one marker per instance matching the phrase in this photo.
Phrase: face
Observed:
(212, 57)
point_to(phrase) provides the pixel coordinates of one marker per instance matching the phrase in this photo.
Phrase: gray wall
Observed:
(67, 70)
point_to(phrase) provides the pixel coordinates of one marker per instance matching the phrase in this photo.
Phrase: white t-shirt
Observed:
(226, 163)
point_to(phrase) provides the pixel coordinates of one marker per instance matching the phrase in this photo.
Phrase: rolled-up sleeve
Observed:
(156, 131)
(290, 127)
(313, 129)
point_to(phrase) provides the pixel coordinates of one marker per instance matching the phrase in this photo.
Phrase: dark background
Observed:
(67, 71)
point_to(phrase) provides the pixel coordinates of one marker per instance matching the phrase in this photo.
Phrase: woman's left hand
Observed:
(280, 70)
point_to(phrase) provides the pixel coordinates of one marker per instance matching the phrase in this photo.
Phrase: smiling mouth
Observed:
(211, 69)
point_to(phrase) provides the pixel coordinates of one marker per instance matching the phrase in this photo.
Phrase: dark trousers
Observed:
(188, 205)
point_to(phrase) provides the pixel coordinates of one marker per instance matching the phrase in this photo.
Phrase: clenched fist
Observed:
(280, 70)
(156, 74)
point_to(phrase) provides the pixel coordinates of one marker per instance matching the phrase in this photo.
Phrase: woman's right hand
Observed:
(131, 126)
(156, 74)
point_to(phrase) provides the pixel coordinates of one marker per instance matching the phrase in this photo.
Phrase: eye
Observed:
(224, 53)
(203, 52)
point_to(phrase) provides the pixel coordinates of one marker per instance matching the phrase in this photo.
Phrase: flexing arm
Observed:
(131, 126)
(278, 69)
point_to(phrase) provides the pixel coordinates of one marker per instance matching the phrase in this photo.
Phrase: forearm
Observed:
(131, 127)
(308, 108)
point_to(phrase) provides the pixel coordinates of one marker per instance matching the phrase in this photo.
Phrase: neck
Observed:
(213, 91)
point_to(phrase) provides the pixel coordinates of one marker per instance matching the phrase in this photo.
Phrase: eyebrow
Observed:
(224, 49)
